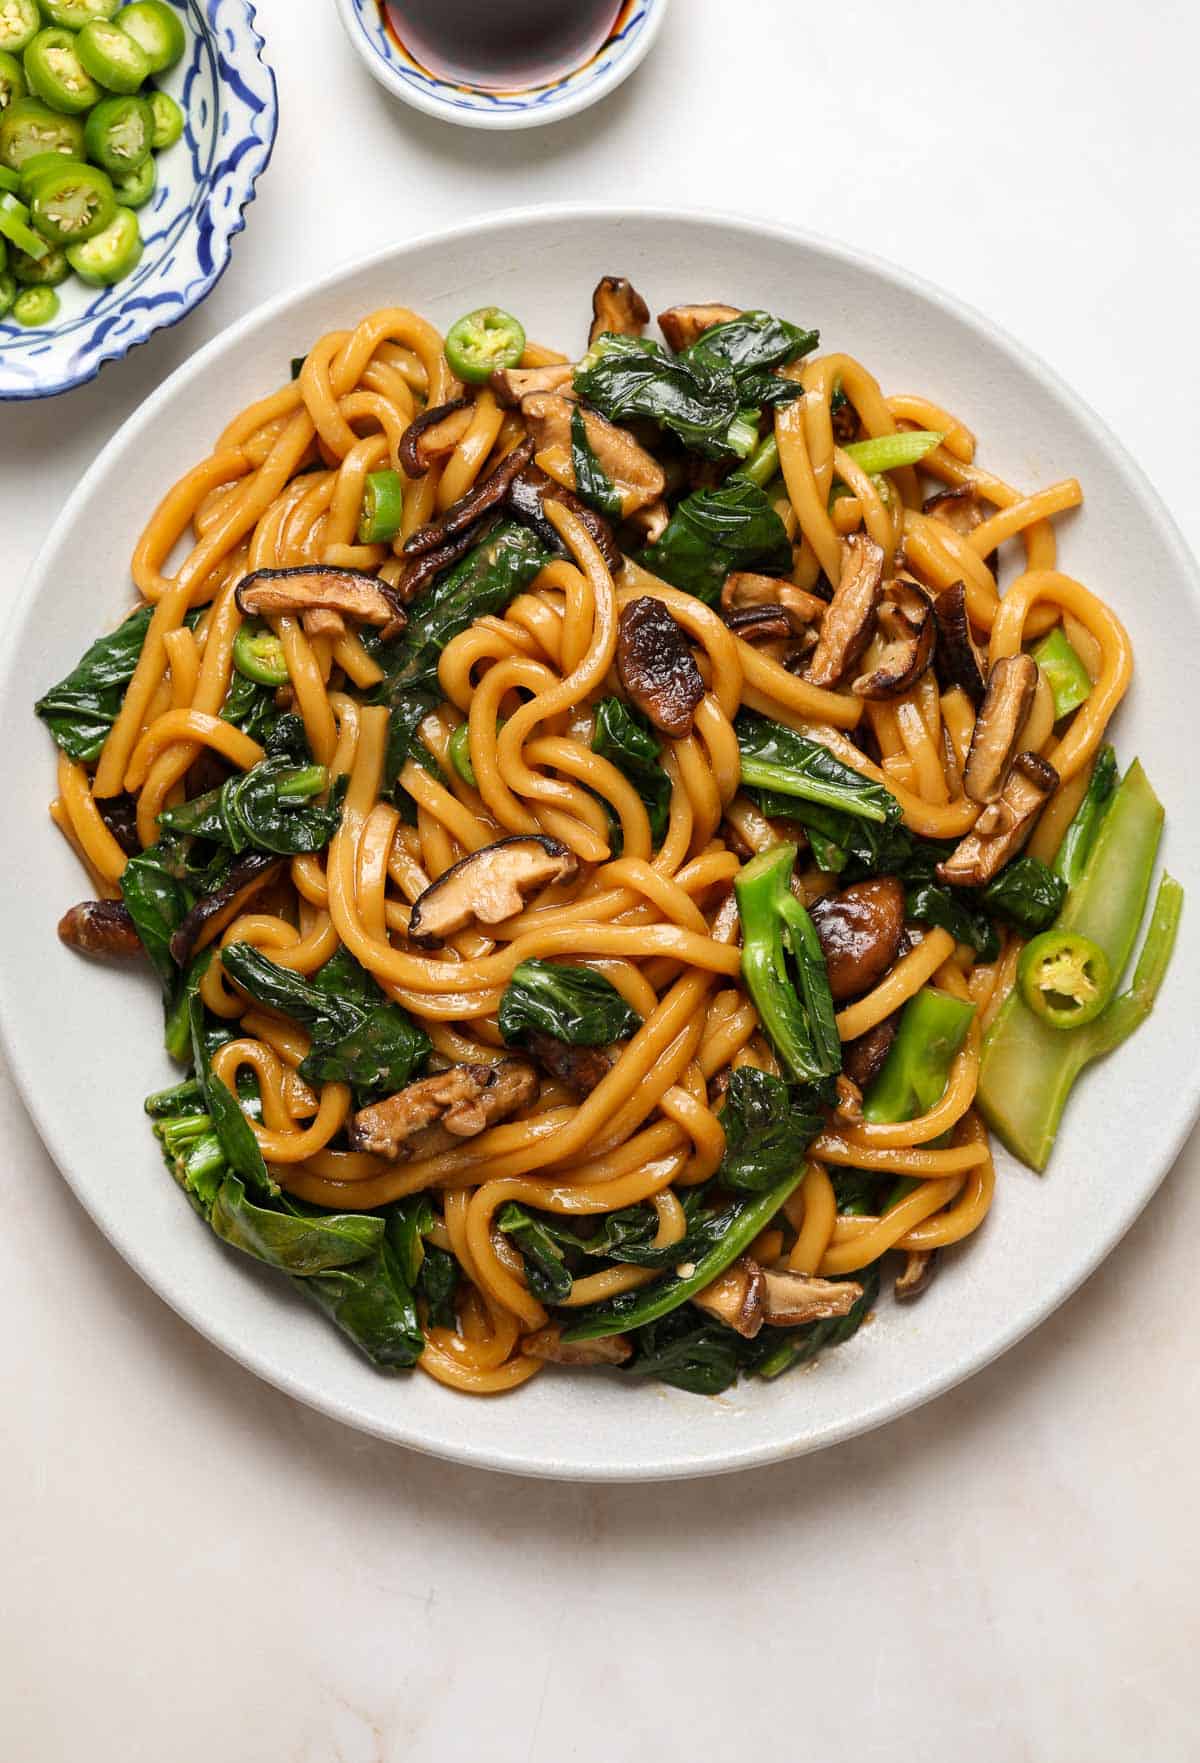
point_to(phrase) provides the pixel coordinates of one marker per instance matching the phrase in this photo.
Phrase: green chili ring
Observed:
(1065, 978)
(15, 227)
(56, 74)
(483, 341)
(35, 307)
(112, 57)
(382, 508)
(73, 204)
(258, 654)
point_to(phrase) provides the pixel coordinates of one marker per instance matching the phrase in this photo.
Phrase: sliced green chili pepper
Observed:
(1068, 678)
(459, 749)
(29, 127)
(114, 60)
(120, 133)
(73, 204)
(41, 272)
(933, 1027)
(35, 307)
(133, 189)
(382, 508)
(1065, 978)
(8, 293)
(482, 342)
(12, 80)
(56, 74)
(20, 22)
(74, 14)
(168, 120)
(888, 452)
(38, 166)
(15, 227)
(258, 654)
(157, 31)
(111, 255)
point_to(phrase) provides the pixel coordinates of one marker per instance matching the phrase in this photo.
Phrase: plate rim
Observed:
(1128, 1204)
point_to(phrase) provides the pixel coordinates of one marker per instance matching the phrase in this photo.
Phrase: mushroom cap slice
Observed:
(527, 497)
(905, 620)
(656, 666)
(859, 931)
(919, 1268)
(959, 661)
(511, 384)
(579, 1068)
(681, 325)
(1002, 716)
(462, 1102)
(489, 885)
(634, 473)
(863, 1058)
(548, 1344)
(618, 309)
(243, 879)
(352, 593)
(762, 624)
(735, 1297)
(792, 1299)
(432, 434)
(484, 495)
(101, 927)
(981, 855)
(849, 621)
(958, 507)
(744, 588)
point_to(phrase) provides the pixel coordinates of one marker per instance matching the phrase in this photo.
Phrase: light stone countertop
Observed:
(196, 1569)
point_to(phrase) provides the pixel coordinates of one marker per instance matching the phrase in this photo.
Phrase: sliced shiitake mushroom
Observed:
(859, 930)
(761, 624)
(918, 1271)
(317, 587)
(736, 1297)
(843, 419)
(617, 308)
(792, 1299)
(981, 855)
(580, 1069)
(119, 814)
(488, 885)
(1003, 714)
(511, 384)
(743, 588)
(650, 523)
(863, 1058)
(656, 666)
(849, 621)
(527, 496)
(434, 433)
(904, 619)
(461, 1101)
(959, 660)
(548, 1344)
(958, 507)
(245, 876)
(681, 325)
(635, 474)
(101, 927)
(418, 572)
(479, 500)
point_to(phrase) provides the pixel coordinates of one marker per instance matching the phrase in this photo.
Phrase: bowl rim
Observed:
(568, 103)
(222, 54)
(1179, 1112)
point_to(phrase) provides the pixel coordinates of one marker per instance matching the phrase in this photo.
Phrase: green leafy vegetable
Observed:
(712, 532)
(271, 807)
(1069, 679)
(769, 1125)
(592, 482)
(755, 341)
(251, 707)
(933, 1027)
(295, 1242)
(158, 900)
(233, 1130)
(955, 910)
(1027, 893)
(776, 759)
(779, 940)
(358, 1036)
(574, 1004)
(1080, 837)
(624, 736)
(546, 1268)
(688, 1353)
(1028, 1067)
(82, 708)
(775, 1351)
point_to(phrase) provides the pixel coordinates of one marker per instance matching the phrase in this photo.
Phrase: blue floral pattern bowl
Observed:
(634, 30)
(205, 182)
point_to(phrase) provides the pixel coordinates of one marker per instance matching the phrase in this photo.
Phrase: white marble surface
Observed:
(195, 1569)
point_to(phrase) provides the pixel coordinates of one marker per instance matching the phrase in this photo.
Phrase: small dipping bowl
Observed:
(380, 45)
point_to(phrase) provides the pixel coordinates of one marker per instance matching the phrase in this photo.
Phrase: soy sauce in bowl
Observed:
(502, 48)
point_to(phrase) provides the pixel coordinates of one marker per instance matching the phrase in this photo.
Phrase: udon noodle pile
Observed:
(463, 1210)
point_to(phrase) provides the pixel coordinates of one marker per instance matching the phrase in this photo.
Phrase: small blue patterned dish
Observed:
(205, 182)
(378, 44)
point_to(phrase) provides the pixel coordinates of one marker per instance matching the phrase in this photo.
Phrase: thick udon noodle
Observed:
(284, 486)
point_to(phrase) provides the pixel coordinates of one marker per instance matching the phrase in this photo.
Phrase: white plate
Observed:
(85, 1042)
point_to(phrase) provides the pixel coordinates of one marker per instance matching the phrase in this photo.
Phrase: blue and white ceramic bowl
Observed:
(228, 97)
(633, 32)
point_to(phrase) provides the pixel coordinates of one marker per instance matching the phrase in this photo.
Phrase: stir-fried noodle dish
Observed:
(616, 836)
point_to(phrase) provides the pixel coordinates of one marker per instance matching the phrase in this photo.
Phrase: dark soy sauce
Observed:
(502, 45)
